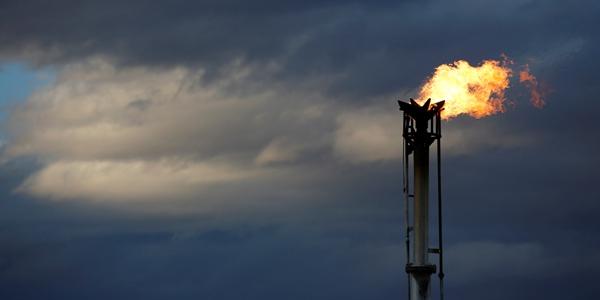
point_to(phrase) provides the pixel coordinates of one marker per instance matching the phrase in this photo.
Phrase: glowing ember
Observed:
(531, 82)
(475, 91)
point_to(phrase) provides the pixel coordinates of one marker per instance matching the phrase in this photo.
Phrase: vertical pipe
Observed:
(406, 191)
(421, 206)
(439, 194)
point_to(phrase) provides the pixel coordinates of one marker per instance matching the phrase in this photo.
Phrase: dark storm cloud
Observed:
(207, 32)
(375, 47)
(521, 220)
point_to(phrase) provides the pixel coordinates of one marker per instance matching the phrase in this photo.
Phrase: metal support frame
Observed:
(421, 127)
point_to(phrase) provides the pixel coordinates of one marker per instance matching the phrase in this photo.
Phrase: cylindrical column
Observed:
(421, 209)
(421, 213)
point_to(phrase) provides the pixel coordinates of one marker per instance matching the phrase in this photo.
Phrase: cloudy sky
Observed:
(251, 149)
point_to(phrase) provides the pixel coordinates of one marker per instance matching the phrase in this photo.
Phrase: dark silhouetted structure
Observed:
(421, 127)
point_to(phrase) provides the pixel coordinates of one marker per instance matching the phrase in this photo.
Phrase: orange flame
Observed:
(475, 91)
(531, 82)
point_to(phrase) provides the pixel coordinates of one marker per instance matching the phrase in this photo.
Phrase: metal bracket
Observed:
(434, 250)
(421, 270)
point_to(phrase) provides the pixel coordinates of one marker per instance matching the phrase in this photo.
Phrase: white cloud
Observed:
(97, 111)
(161, 128)
(135, 133)
(279, 150)
(369, 134)
(131, 180)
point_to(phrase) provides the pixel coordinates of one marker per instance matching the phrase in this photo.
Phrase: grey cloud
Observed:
(346, 39)
(87, 114)
(94, 145)
(140, 104)
(247, 87)
(473, 261)
(189, 134)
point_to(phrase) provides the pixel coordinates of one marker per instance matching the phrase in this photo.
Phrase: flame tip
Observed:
(466, 89)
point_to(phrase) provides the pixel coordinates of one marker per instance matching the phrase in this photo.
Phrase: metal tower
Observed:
(421, 127)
